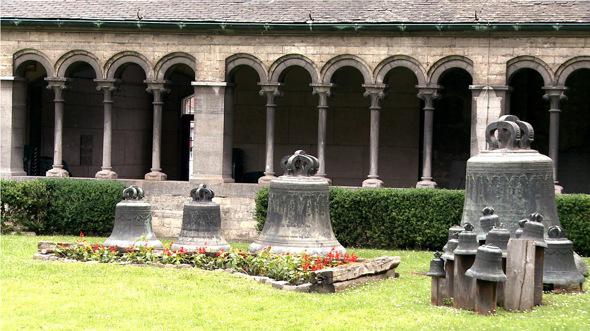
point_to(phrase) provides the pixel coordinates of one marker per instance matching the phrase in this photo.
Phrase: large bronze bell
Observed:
(510, 176)
(487, 265)
(201, 223)
(298, 217)
(133, 222)
(560, 267)
(437, 266)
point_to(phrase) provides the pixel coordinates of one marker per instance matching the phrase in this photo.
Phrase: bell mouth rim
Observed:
(449, 257)
(436, 274)
(465, 252)
(508, 150)
(482, 276)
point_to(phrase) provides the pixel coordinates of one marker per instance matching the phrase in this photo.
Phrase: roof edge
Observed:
(345, 26)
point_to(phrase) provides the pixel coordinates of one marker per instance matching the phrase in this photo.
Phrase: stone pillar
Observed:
(487, 104)
(212, 139)
(13, 114)
(323, 92)
(157, 89)
(57, 85)
(375, 92)
(554, 94)
(271, 91)
(107, 86)
(428, 94)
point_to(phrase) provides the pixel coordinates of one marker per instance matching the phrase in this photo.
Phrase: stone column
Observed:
(375, 92)
(270, 91)
(428, 94)
(488, 103)
(57, 85)
(212, 138)
(107, 86)
(156, 88)
(323, 92)
(13, 114)
(554, 94)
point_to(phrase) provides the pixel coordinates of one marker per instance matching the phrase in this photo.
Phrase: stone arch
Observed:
(172, 59)
(29, 54)
(277, 68)
(530, 62)
(448, 62)
(74, 56)
(399, 61)
(128, 57)
(243, 59)
(346, 60)
(569, 66)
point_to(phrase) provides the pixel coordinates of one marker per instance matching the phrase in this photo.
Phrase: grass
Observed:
(78, 296)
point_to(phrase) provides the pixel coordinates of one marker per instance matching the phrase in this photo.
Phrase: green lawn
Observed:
(77, 296)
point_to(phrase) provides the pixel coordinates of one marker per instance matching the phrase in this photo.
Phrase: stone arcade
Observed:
(384, 93)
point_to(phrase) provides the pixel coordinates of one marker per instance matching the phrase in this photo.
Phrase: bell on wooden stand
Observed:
(560, 267)
(486, 223)
(487, 271)
(437, 273)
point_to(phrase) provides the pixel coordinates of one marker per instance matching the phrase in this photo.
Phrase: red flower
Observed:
(95, 248)
(113, 249)
(81, 234)
(167, 252)
(306, 267)
(202, 250)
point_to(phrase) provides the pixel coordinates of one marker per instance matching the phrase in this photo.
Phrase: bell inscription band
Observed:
(133, 222)
(510, 176)
(201, 223)
(298, 217)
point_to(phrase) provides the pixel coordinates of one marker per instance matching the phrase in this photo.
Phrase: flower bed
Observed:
(299, 272)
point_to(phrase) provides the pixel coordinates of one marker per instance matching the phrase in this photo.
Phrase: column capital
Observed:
(156, 86)
(428, 94)
(321, 88)
(554, 94)
(376, 92)
(266, 88)
(56, 82)
(105, 84)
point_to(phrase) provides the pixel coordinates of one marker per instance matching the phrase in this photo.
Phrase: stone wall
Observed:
(167, 199)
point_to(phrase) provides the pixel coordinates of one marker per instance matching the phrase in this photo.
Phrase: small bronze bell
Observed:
(534, 230)
(499, 237)
(437, 266)
(452, 242)
(560, 267)
(486, 223)
(133, 222)
(487, 265)
(467, 241)
(201, 223)
(520, 229)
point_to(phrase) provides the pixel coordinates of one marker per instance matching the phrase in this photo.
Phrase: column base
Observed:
(265, 180)
(156, 176)
(373, 182)
(204, 179)
(106, 174)
(426, 183)
(558, 188)
(57, 172)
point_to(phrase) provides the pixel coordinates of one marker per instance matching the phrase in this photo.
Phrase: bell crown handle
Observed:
(509, 133)
(300, 164)
(133, 192)
(202, 193)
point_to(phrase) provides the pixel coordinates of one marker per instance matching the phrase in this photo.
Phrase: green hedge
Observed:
(60, 206)
(419, 218)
